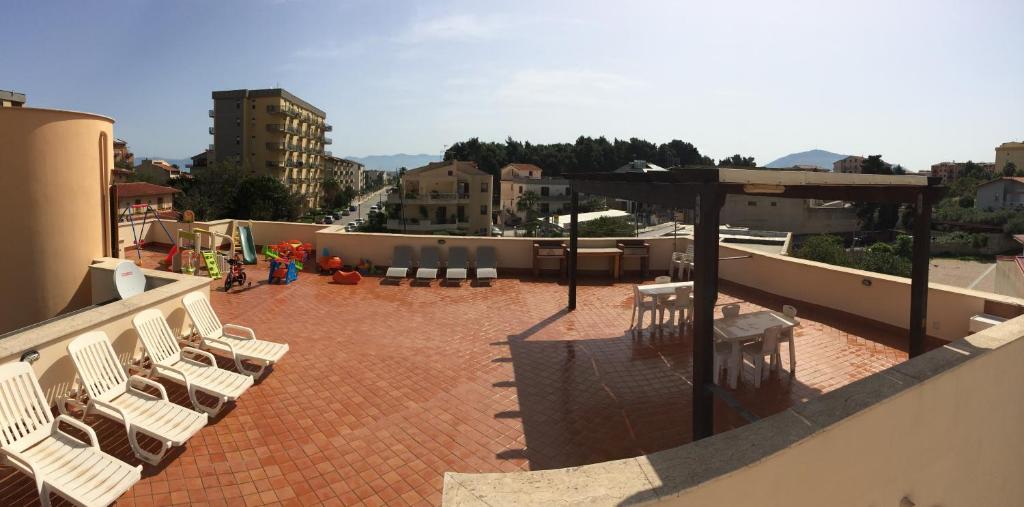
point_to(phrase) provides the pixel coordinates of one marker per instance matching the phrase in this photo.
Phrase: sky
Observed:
(916, 81)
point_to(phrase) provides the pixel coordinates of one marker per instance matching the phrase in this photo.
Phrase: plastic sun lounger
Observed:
(239, 341)
(32, 442)
(486, 263)
(430, 262)
(401, 262)
(116, 396)
(180, 365)
(458, 258)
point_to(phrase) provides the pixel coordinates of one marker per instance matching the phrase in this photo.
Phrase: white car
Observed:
(374, 208)
(358, 221)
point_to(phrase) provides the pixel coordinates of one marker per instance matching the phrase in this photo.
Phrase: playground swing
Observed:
(138, 238)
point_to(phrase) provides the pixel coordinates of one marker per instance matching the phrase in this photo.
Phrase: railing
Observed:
(328, 140)
(328, 128)
(276, 127)
(211, 131)
(211, 113)
(276, 164)
(276, 146)
(420, 225)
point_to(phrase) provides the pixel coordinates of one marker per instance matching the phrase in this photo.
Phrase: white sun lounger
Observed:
(118, 397)
(239, 341)
(458, 259)
(400, 263)
(32, 442)
(486, 263)
(179, 365)
(430, 262)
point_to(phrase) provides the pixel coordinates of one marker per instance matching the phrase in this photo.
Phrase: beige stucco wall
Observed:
(54, 169)
(438, 180)
(54, 368)
(1009, 152)
(791, 215)
(940, 429)
(1009, 278)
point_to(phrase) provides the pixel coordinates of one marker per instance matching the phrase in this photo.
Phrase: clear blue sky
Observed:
(917, 81)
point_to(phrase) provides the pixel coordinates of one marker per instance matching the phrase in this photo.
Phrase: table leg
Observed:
(615, 266)
(735, 364)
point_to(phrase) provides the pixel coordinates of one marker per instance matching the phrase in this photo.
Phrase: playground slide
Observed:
(211, 264)
(248, 247)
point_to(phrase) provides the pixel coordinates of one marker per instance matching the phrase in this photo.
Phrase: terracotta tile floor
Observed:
(387, 387)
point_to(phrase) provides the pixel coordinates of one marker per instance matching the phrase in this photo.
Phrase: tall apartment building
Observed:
(272, 132)
(444, 196)
(1011, 152)
(12, 99)
(950, 171)
(346, 172)
(553, 194)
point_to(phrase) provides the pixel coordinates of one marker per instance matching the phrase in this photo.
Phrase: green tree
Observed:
(330, 188)
(266, 198)
(343, 198)
(737, 160)
(1010, 170)
(210, 193)
(606, 227)
(825, 248)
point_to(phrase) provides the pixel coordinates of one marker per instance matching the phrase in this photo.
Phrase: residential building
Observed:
(952, 171)
(635, 207)
(12, 99)
(272, 132)
(1012, 152)
(376, 178)
(1000, 193)
(553, 194)
(799, 216)
(851, 164)
(123, 158)
(346, 172)
(158, 197)
(158, 171)
(201, 161)
(444, 196)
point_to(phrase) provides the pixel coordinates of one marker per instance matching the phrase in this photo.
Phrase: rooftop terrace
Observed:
(387, 387)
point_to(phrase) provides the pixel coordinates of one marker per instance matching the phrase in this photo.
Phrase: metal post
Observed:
(705, 268)
(919, 274)
(574, 232)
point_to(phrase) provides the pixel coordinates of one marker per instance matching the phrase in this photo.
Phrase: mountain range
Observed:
(818, 158)
(393, 162)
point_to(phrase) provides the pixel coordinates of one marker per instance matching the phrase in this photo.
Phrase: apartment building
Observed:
(376, 178)
(851, 164)
(272, 132)
(444, 196)
(201, 161)
(951, 171)
(1012, 152)
(158, 197)
(123, 158)
(158, 171)
(347, 172)
(519, 179)
(12, 99)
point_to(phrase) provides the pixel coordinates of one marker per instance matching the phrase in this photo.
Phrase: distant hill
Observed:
(393, 162)
(819, 158)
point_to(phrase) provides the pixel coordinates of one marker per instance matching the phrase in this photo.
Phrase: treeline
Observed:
(587, 154)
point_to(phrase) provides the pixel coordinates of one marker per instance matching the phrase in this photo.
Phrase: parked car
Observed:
(495, 231)
(327, 220)
(336, 215)
(374, 208)
(358, 221)
(345, 213)
(350, 227)
(351, 208)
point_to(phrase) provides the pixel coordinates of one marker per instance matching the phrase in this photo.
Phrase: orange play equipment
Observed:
(347, 277)
(330, 264)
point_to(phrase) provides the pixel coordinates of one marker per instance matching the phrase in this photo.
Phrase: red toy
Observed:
(330, 264)
(347, 277)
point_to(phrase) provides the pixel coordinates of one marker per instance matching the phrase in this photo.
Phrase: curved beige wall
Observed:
(54, 172)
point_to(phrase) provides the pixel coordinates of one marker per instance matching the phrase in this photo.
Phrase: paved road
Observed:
(362, 205)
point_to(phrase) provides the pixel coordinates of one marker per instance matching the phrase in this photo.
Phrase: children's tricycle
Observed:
(236, 274)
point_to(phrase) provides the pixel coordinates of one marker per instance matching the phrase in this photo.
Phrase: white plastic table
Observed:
(745, 327)
(662, 291)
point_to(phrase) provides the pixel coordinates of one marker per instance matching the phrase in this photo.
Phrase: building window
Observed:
(531, 174)
(238, 105)
(483, 209)
(520, 189)
(238, 140)
(159, 201)
(545, 191)
(751, 203)
(449, 173)
(774, 203)
(483, 186)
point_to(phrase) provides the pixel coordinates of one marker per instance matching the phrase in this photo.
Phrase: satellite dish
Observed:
(129, 280)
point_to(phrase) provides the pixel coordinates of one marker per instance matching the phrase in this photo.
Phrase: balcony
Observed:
(211, 130)
(211, 113)
(276, 127)
(328, 128)
(328, 140)
(275, 164)
(277, 146)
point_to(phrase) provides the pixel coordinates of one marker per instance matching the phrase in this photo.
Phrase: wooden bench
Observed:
(545, 250)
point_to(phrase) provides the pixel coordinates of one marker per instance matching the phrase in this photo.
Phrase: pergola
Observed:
(704, 190)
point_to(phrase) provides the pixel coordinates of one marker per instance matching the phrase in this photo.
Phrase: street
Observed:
(362, 204)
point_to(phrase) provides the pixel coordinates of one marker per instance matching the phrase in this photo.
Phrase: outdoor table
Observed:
(614, 253)
(743, 328)
(662, 291)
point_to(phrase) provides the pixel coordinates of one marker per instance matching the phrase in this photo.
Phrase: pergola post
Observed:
(919, 274)
(705, 293)
(574, 232)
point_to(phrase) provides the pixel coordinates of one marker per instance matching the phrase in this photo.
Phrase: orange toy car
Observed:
(330, 264)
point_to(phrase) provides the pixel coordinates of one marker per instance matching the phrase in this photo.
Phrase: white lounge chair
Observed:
(458, 262)
(32, 442)
(179, 365)
(401, 262)
(486, 263)
(430, 262)
(116, 396)
(239, 341)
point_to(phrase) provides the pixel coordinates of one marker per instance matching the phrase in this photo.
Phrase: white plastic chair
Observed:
(723, 351)
(114, 395)
(662, 279)
(641, 305)
(32, 442)
(767, 346)
(788, 336)
(239, 341)
(179, 365)
(680, 305)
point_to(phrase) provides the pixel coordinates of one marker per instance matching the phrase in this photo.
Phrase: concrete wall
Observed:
(54, 368)
(1009, 277)
(940, 429)
(54, 169)
(793, 215)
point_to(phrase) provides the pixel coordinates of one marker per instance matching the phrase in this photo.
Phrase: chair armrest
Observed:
(149, 382)
(118, 411)
(78, 424)
(244, 332)
(201, 353)
(18, 459)
(222, 343)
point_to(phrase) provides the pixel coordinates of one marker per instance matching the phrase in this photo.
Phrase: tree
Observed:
(343, 198)
(606, 227)
(527, 204)
(874, 216)
(330, 188)
(266, 198)
(737, 160)
(1010, 170)
(210, 193)
(825, 248)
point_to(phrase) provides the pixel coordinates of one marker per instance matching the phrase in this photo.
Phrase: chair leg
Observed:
(792, 354)
(717, 368)
(144, 455)
(758, 366)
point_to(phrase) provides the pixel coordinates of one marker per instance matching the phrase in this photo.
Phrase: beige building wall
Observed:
(435, 194)
(54, 169)
(799, 216)
(163, 202)
(1010, 152)
(1010, 276)
(157, 171)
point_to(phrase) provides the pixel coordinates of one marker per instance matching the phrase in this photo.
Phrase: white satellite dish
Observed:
(129, 280)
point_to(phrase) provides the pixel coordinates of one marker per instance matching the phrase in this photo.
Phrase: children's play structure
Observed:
(200, 249)
(138, 235)
(286, 259)
(243, 243)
